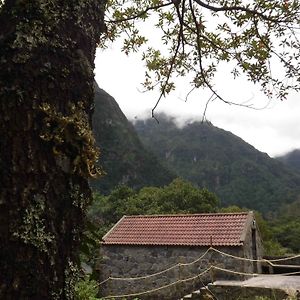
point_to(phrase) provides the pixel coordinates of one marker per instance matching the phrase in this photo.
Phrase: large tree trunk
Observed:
(47, 152)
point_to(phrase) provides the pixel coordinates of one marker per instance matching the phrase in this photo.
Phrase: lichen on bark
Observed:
(32, 231)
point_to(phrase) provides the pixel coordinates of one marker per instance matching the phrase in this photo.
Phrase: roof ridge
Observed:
(188, 215)
(113, 228)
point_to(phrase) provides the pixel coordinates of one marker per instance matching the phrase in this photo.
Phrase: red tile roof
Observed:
(187, 230)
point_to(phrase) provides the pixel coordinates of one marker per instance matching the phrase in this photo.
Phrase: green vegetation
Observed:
(123, 157)
(177, 197)
(286, 228)
(291, 159)
(216, 159)
(270, 243)
(86, 289)
(281, 235)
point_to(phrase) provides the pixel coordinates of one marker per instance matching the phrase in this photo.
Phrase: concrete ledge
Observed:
(234, 292)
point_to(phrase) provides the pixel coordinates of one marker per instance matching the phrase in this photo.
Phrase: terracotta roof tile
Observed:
(188, 230)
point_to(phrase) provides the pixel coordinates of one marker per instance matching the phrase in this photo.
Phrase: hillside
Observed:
(123, 157)
(291, 159)
(217, 159)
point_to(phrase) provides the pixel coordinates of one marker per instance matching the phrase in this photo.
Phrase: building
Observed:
(141, 246)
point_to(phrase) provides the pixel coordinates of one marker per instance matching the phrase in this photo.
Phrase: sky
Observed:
(273, 127)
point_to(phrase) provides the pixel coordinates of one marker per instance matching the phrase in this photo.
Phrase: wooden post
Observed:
(180, 286)
(212, 275)
(109, 290)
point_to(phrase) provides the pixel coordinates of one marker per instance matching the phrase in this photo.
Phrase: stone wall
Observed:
(133, 261)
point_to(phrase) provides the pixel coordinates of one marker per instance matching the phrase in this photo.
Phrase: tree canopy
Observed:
(178, 197)
(258, 38)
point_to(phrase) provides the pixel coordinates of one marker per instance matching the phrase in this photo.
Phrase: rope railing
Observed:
(254, 274)
(159, 288)
(141, 293)
(195, 261)
(284, 258)
(157, 273)
(271, 261)
(198, 276)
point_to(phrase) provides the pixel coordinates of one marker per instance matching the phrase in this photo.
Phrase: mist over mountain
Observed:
(123, 157)
(291, 159)
(222, 162)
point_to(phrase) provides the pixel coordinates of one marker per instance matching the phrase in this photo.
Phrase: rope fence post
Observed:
(149, 282)
(180, 268)
(212, 275)
(109, 288)
(180, 274)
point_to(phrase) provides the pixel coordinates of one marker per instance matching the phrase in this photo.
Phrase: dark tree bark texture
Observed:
(47, 151)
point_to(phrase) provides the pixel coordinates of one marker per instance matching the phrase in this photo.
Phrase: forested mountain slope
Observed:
(291, 159)
(123, 157)
(222, 162)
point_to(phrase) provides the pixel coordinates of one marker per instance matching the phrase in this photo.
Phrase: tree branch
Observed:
(141, 13)
(198, 44)
(170, 70)
(235, 8)
(280, 57)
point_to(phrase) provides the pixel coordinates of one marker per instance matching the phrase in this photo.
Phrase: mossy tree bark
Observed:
(47, 151)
